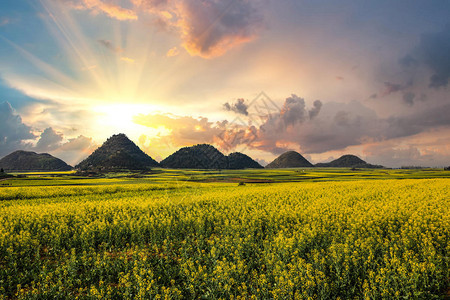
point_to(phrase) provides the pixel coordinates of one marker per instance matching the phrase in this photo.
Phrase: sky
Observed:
(324, 78)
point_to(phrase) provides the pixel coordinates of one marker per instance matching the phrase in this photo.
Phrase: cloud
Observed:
(75, 150)
(408, 61)
(340, 125)
(49, 140)
(15, 135)
(398, 153)
(238, 107)
(187, 131)
(313, 112)
(184, 131)
(208, 28)
(108, 8)
(337, 126)
(294, 112)
(418, 122)
(272, 136)
(109, 45)
(408, 98)
(391, 88)
(80, 143)
(434, 52)
(13, 132)
(173, 52)
(127, 60)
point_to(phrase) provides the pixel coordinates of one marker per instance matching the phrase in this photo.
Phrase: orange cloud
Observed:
(208, 28)
(112, 10)
(173, 52)
(127, 60)
(211, 28)
(187, 131)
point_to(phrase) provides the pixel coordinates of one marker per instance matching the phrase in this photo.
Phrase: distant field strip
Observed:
(374, 239)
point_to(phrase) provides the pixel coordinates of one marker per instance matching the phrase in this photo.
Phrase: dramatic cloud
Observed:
(211, 27)
(434, 51)
(208, 28)
(106, 7)
(417, 122)
(187, 131)
(293, 112)
(49, 140)
(184, 131)
(337, 126)
(341, 125)
(13, 133)
(238, 107)
(229, 136)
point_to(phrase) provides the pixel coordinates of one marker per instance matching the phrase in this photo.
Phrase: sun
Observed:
(119, 118)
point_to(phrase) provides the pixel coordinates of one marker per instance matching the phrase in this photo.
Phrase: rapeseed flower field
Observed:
(362, 239)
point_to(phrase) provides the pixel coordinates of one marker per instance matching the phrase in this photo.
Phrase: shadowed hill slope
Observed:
(348, 161)
(117, 153)
(290, 159)
(201, 156)
(32, 161)
(239, 160)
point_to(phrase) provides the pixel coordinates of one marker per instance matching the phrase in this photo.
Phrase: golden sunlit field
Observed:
(142, 238)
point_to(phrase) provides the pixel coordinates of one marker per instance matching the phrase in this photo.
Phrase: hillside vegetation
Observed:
(21, 161)
(290, 159)
(204, 156)
(117, 153)
(348, 161)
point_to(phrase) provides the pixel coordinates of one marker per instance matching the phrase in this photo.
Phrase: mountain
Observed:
(290, 159)
(348, 161)
(239, 160)
(201, 156)
(21, 161)
(117, 153)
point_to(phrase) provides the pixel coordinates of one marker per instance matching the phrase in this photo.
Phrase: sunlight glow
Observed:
(118, 118)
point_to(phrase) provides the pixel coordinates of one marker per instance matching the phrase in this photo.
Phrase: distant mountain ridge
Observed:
(290, 159)
(348, 161)
(26, 161)
(117, 153)
(205, 156)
